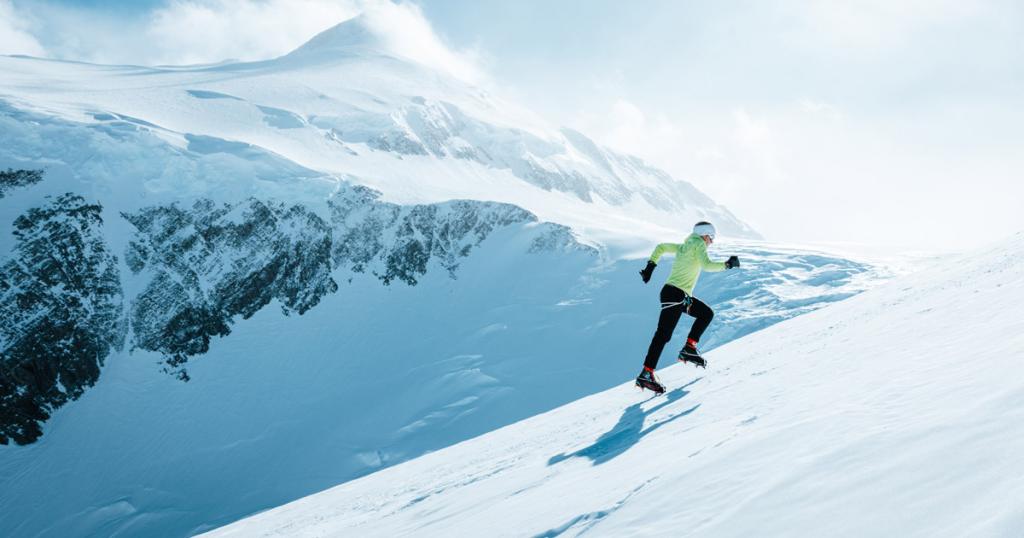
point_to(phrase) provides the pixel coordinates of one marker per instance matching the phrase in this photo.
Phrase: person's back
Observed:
(691, 258)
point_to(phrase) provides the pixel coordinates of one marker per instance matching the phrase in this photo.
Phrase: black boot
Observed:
(646, 380)
(689, 353)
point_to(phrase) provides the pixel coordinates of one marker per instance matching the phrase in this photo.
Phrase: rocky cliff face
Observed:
(204, 266)
(398, 242)
(60, 313)
(211, 264)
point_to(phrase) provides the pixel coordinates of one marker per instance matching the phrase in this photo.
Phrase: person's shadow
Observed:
(628, 430)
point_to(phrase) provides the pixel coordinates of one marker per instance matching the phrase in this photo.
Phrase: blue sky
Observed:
(864, 121)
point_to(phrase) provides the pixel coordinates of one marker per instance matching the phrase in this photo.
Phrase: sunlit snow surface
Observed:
(373, 375)
(895, 413)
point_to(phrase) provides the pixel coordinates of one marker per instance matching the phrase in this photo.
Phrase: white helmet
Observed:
(704, 228)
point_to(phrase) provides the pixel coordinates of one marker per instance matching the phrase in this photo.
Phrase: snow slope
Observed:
(898, 412)
(286, 406)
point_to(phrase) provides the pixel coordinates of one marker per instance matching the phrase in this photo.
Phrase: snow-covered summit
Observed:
(895, 413)
(348, 38)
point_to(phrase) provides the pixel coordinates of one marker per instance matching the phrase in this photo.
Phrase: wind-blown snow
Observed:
(895, 413)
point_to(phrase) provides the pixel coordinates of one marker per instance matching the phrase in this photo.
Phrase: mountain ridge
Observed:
(376, 119)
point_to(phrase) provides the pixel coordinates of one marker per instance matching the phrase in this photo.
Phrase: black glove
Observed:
(732, 263)
(648, 271)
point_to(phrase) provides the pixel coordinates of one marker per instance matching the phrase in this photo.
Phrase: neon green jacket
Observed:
(691, 258)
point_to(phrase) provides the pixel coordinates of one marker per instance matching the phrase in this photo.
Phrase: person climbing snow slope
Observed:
(691, 257)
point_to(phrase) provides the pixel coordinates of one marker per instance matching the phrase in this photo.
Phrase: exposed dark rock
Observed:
(11, 179)
(62, 310)
(213, 262)
(558, 238)
(397, 142)
(400, 241)
(60, 313)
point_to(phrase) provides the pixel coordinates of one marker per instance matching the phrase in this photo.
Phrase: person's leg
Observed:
(666, 323)
(704, 315)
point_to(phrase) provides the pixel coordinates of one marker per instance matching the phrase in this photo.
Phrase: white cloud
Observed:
(821, 108)
(626, 127)
(871, 27)
(208, 31)
(869, 120)
(408, 33)
(756, 144)
(749, 131)
(14, 34)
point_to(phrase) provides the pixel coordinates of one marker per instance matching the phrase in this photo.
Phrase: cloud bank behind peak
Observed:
(184, 32)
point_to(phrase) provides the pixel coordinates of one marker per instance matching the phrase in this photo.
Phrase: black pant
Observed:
(670, 314)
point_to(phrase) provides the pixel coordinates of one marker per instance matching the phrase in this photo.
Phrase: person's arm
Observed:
(661, 249)
(706, 263)
(653, 261)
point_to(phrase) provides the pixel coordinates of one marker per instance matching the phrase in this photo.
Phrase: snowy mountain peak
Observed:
(377, 102)
(356, 36)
